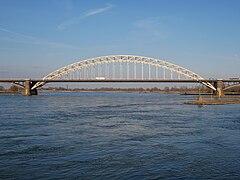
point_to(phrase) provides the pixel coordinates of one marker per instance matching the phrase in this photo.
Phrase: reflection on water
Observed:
(117, 136)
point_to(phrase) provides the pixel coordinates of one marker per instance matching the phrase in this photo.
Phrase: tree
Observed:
(166, 89)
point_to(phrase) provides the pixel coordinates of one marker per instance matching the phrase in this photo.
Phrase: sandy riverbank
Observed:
(215, 101)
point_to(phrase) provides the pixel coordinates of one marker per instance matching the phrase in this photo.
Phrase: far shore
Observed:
(150, 91)
(131, 90)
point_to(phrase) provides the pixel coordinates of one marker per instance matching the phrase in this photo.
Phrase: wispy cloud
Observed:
(15, 33)
(152, 26)
(16, 37)
(98, 11)
(85, 15)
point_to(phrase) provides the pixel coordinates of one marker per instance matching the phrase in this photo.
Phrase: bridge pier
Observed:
(28, 91)
(219, 86)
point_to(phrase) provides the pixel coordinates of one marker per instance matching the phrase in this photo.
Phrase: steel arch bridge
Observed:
(226, 88)
(123, 67)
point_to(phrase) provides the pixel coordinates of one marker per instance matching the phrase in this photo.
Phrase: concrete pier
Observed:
(28, 91)
(219, 86)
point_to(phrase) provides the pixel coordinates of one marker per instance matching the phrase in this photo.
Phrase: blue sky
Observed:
(38, 37)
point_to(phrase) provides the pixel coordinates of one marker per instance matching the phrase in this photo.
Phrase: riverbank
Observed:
(9, 92)
(214, 101)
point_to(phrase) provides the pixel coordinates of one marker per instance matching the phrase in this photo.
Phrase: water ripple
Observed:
(117, 136)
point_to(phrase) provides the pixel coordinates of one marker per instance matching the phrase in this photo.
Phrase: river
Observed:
(117, 136)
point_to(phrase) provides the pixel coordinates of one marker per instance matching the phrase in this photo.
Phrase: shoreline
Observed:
(129, 91)
(145, 92)
(191, 93)
(214, 101)
(9, 92)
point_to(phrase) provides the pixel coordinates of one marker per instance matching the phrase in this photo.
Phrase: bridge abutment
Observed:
(28, 91)
(219, 86)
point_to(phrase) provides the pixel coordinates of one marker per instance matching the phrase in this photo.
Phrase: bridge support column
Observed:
(28, 91)
(219, 86)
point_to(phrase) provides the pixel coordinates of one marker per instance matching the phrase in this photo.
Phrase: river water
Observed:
(117, 136)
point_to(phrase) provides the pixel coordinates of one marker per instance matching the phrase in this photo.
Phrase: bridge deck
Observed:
(115, 80)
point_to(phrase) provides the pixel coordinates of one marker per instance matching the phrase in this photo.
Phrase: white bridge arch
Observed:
(128, 67)
(231, 86)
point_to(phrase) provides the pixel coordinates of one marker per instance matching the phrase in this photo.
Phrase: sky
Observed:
(38, 37)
